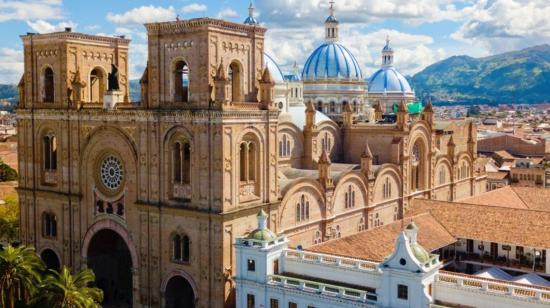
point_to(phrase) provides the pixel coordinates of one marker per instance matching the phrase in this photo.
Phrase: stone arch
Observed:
(178, 91)
(443, 162)
(329, 132)
(464, 159)
(51, 257)
(236, 75)
(183, 189)
(419, 165)
(183, 274)
(393, 173)
(115, 226)
(97, 84)
(47, 83)
(359, 198)
(296, 143)
(287, 215)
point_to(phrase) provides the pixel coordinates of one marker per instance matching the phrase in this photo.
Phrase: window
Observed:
(469, 246)
(97, 85)
(181, 82)
(49, 225)
(274, 303)
(402, 292)
(355, 107)
(386, 189)
(302, 209)
(48, 86)
(442, 176)
(350, 197)
(284, 146)
(292, 305)
(248, 153)
(276, 267)
(332, 106)
(361, 226)
(181, 162)
(320, 106)
(50, 152)
(251, 265)
(235, 76)
(519, 252)
(417, 172)
(250, 301)
(180, 248)
(326, 142)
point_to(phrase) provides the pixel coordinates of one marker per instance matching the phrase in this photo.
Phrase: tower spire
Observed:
(387, 53)
(331, 25)
(251, 20)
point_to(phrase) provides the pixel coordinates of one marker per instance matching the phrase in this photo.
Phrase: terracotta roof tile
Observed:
(499, 175)
(505, 197)
(524, 227)
(376, 244)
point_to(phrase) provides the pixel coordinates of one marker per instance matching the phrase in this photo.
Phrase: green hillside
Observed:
(518, 76)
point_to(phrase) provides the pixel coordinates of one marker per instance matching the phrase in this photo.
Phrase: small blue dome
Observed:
(387, 79)
(331, 19)
(331, 60)
(274, 69)
(250, 20)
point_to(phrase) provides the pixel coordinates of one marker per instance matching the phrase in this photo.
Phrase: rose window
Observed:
(112, 173)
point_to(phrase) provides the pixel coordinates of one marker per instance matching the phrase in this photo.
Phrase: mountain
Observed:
(519, 76)
(8, 96)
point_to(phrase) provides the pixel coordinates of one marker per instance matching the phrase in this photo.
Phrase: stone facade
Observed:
(170, 182)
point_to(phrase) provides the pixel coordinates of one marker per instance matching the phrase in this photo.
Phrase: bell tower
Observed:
(331, 25)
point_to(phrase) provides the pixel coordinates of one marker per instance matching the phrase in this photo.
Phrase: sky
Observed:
(422, 32)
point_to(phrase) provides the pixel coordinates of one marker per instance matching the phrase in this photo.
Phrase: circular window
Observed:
(281, 105)
(402, 261)
(112, 173)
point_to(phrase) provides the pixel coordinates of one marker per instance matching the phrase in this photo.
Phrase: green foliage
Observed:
(9, 219)
(63, 290)
(20, 269)
(7, 173)
(518, 76)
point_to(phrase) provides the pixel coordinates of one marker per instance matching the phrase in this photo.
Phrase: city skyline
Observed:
(422, 33)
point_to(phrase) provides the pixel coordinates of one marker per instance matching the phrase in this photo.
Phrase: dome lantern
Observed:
(387, 53)
(251, 20)
(331, 25)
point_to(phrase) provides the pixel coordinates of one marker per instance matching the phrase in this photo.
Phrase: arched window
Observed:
(302, 209)
(49, 145)
(249, 159)
(235, 75)
(355, 107)
(417, 167)
(442, 176)
(284, 146)
(180, 248)
(320, 106)
(350, 197)
(332, 106)
(49, 89)
(326, 142)
(49, 225)
(386, 188)
(361, 226)
(181, 82)
(181, 162)
(97, 85)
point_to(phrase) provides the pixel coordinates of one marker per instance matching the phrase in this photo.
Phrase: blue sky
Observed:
(422, 31)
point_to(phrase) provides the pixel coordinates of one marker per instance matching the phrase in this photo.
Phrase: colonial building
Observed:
(151, 195)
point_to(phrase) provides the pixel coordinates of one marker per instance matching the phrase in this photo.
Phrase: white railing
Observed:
(323, 288)
(494, 286)
(324, 259)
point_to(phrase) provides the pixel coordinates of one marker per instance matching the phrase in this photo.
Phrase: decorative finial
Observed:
(251, 9)
(387, 39)
(178, 17)
(331, 8)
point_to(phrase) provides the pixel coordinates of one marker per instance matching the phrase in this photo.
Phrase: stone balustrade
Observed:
(317, 258)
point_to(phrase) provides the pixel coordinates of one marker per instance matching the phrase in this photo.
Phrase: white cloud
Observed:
(310, 12)
(194, 8)
(42, 26)
(138, 60)
(11, 65)
(143, 14)
(501, 25)
(29, 10)
(227, 13)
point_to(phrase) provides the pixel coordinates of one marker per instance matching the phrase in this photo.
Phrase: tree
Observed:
(63, 290)
(20, 269)
(9, 219)
(7, 173)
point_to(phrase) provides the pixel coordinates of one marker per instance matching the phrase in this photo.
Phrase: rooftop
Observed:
(514, 197)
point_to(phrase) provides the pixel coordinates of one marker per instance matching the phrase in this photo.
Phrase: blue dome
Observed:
(274, 69)
(387, 79)
(331, 61)
(250, 20)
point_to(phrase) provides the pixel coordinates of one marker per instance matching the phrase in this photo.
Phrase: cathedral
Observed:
(152, 195)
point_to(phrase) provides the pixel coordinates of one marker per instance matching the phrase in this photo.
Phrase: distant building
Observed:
(514, 145)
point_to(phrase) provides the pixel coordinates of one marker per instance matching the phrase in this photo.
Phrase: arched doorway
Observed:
(50, 259)
(179, 293)
(110, 259)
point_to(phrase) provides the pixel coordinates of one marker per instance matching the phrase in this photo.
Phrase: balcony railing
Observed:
(323, 289)
(318, 258)
(491, 286)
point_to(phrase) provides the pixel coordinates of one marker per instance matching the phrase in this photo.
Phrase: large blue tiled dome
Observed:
(331, 60)
(274, 69)
(387, 79)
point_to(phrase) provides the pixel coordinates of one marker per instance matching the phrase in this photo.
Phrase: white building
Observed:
(270, 274)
